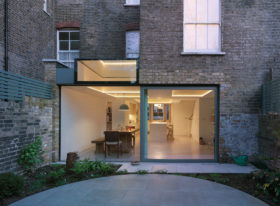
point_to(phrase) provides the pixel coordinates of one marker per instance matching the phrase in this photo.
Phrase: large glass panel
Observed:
(202, 11)
(181, 125)
(107, 70)
(87, 112)
(213, 37)
(190, 37)
(201, 36)
(213, 11)
(190, 11)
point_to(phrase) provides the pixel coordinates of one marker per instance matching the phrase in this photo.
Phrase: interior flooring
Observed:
(181, 147)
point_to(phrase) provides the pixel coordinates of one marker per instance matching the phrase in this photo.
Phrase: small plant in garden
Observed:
(122, 172)
(56, 176)
(218, 178)
(106, 169)
(202, 177)
(269, 182)
(161, 172)
(30, 156)
(142, 172)
(10, 185)
(84, 167)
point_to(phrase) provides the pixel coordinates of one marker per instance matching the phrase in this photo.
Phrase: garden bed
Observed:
(243, 182)
(51, 176)
(48, 177)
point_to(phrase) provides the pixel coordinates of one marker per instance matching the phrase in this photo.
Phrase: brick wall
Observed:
(31, 37)
(22, 122)
(1, 35)
(250, 32)
(103, 28)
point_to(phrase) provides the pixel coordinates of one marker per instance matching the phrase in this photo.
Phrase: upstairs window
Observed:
(45, 5)
(202, 26)
(68, 47)
(132, 44)
(132, 2)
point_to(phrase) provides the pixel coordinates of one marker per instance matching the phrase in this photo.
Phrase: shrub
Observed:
(142, 172)
(122, 172)
(84, 167)
(30, 156)
(80, 168)
(106, 169)
(218, 178)
(56, 176)
(269, 182)
(162, 172)
(10, 185)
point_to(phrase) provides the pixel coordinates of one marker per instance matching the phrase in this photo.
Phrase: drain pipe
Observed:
(6, 55)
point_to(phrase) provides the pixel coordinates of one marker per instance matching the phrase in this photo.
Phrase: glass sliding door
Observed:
(179, 123)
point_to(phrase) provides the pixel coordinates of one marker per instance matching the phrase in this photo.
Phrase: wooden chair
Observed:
(112, 139)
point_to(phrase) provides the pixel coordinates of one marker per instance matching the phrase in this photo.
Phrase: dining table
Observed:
(127, 136)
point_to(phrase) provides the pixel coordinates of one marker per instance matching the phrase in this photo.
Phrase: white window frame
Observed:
(126, 52)
(130, 3)
(66, 51)
(204, 51)
(45, 6)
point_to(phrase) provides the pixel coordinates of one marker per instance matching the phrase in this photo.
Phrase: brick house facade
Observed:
(249, 37)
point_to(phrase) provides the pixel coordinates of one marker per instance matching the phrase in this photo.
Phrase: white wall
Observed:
(181, 113)
(83, 118)
(118, 117)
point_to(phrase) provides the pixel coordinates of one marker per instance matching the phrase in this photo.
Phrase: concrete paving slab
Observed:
(142, 190)
(188, 167)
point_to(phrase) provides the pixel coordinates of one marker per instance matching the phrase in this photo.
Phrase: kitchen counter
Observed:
(158, 132)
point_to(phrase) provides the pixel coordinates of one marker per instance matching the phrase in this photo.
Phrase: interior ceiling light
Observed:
(192, 95)
(116, 93)
(118, 63)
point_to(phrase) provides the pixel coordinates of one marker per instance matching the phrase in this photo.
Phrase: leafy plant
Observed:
(269, 182)
(142, 172)
(30, 156)
(202, 177)
(161, 172)
(56, 176)
(106, 169)
(36, 185)
(84, 167)
(10, 184)
(122, 172)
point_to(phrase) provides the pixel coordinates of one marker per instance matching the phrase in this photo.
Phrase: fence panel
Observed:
(271, 97)
(14, 87)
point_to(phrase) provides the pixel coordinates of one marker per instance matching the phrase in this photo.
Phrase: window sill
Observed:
(202, 53)
(131, 5)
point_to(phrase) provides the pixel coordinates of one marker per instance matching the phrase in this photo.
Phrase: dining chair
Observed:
(112, 139)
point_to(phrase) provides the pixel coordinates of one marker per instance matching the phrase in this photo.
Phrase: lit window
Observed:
(132, 44)
(45, 6)
(132, 2)
(68, 47)
(202, 25)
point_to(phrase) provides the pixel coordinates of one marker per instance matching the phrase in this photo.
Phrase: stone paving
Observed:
(188, 168)
(142, 190)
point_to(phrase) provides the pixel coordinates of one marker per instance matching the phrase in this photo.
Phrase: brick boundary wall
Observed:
(22, 122)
